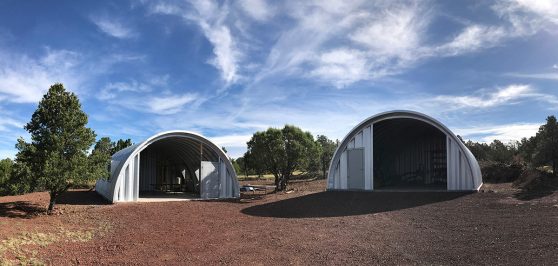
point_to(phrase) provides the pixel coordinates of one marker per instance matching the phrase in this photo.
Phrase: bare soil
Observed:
(305, 226)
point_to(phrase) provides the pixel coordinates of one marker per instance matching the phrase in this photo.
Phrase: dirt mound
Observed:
(495, 172)
(535, 183)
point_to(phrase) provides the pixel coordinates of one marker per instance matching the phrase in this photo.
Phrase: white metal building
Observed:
(170, 162)
(403, 150)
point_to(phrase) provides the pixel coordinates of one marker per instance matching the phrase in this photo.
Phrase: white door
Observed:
(209, 180)
(355, 171)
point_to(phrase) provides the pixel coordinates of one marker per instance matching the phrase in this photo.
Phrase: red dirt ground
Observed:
(307, 226)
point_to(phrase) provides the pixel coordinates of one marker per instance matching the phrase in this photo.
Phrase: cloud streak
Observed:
(113, 28)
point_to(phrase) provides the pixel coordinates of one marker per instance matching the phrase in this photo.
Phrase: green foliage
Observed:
(120, 145)
(236, 166)
(526, 149)
(496, 151)
(99, 159)
(6, 166)
(282, 151)
(254, 164)
(546, 147)
(326, 149)
(21, 179)
(500, 152)
(57, 155)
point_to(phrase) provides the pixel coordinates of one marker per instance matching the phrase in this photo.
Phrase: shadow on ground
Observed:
(20, 209)
(347, 203)
(81, 197)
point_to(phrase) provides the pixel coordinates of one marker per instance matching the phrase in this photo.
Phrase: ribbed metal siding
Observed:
(463, 172)
(362, 139)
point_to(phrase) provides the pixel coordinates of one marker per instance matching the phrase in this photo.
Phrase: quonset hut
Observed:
(403, 150)
(170, 162)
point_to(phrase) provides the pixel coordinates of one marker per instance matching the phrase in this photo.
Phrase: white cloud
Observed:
(25, 80)
(113, 28)
(341, 66)
(504, 133)
(257, 9)
(545, 9)
(169, 104)
(7, 123)
(549, 76)
(392, 32)
(111, 90)
(473, 38)
(507, 95)
(211, 18)
(230, 141)
(165, 8)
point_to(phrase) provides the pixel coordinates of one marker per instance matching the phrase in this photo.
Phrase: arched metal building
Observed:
(173, 161)
(403, 150)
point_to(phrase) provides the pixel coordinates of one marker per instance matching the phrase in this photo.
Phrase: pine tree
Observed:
(60, 139)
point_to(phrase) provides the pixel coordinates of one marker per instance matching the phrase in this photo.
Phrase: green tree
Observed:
(22, 180)
(6, 166)
(480, 150)
(254, 164)
(60, 139)
(99, 159)
(526, 148)
(546, 151)
(120, 145)
(500, 152)
(326, 148)
(282, 151)
(236, 166)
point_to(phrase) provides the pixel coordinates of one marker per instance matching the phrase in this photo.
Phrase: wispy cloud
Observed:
(24, 79)
(471, 39)
(111, 90)
(525, 13)
(171, 104)
(547, 75)
(504, 133)
(7, 123)
(511, 94)
(211, 18)
(231, 140)
(115, 89)
(259, 10)
(113, 27)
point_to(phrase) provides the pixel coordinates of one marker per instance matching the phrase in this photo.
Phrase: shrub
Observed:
(498, 172)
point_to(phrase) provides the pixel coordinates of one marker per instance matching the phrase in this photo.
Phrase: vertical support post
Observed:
(201, 159)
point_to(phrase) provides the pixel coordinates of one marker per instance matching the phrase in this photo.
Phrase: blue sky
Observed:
(227, 69)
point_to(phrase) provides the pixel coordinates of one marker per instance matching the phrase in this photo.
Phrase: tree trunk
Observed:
(276, 183)
(52, 202)
(280, 183)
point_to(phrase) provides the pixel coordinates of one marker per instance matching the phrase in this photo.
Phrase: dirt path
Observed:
(318, 228)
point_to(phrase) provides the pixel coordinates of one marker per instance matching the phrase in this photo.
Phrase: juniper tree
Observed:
(60, 139)
(282, 151)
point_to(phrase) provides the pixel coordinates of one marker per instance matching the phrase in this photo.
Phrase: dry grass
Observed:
(22, 248)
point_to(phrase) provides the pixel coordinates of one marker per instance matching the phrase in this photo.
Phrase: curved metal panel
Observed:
(467, 175)
(124, 167)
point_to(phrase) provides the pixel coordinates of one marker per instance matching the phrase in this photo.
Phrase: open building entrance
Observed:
(170, 168)
(409, 154)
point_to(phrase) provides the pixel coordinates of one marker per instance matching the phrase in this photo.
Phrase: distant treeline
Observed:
(536, 151)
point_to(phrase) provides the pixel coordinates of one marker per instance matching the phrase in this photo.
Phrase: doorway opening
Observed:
(409, 154)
